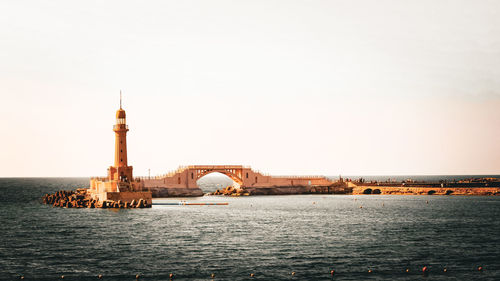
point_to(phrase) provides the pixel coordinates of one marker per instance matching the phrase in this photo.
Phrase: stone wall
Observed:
(128, 196)
(161, 192)
(291, 190)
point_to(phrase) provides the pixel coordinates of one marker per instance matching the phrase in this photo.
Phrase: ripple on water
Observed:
(268, 236)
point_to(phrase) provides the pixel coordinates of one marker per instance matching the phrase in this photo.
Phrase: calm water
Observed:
(268, 236)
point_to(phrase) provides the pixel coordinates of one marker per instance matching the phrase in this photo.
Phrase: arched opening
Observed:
(431, 192)
(448, 192)
(376, 191)
(212, 182)
(367, 191)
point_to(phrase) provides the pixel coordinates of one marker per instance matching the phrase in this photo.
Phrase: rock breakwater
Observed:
(337, 188)
(81, 199)
(231, 191)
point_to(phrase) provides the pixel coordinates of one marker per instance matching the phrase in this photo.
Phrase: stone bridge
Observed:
(243, 176)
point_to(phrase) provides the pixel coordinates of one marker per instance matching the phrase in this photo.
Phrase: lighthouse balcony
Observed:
(120, 127)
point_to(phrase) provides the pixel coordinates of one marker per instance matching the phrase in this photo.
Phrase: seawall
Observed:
(403, 190)
(337, 188)
(291, 190)
(161, 192)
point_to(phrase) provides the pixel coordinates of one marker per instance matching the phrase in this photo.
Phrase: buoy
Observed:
(332, 272)
(370, 271)
(62, 276)
(445, 270)
(407, 270)
(137, 276)
(171, 275)
(212, 275)
(425, 270)
(427, 202)
(22, 277)
(99, 276)
(252, 275)
(293, 273)
(479, 268)
(361, 207)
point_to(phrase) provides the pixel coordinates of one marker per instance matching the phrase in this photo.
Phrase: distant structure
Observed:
(183, 182)
(119, 185)
(243, 176)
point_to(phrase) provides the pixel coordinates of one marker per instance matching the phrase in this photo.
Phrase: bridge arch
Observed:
(215, 181)
(231, 174)
(235, 173)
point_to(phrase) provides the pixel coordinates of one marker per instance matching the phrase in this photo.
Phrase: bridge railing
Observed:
(300, 177)
(216, 167)
(181, 169)
(199, 167)
(292, 176)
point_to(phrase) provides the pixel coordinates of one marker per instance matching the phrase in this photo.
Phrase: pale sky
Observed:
(287, 87)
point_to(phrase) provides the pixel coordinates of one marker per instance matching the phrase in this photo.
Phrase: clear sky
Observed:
(288, 87)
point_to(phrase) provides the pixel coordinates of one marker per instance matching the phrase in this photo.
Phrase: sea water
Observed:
(268, 236)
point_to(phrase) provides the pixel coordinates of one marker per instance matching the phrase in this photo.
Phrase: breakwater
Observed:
(479, 186)
(356, 188)
(80, 198)
(162, 192)
(405, 190)
(337, 188)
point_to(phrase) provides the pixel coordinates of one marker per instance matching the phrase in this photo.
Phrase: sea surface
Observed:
(269, 236)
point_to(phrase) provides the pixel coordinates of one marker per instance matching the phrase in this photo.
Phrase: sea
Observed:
(294, 237)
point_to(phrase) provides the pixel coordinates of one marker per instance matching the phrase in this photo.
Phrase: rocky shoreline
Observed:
(80, 199)
(468, 187)
(402, 190)
(283, 190)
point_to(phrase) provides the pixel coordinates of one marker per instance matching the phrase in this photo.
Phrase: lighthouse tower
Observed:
(119, 187)
(120, 172)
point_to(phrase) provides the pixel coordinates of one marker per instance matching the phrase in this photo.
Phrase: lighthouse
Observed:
(119, 186)
(121, 171)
